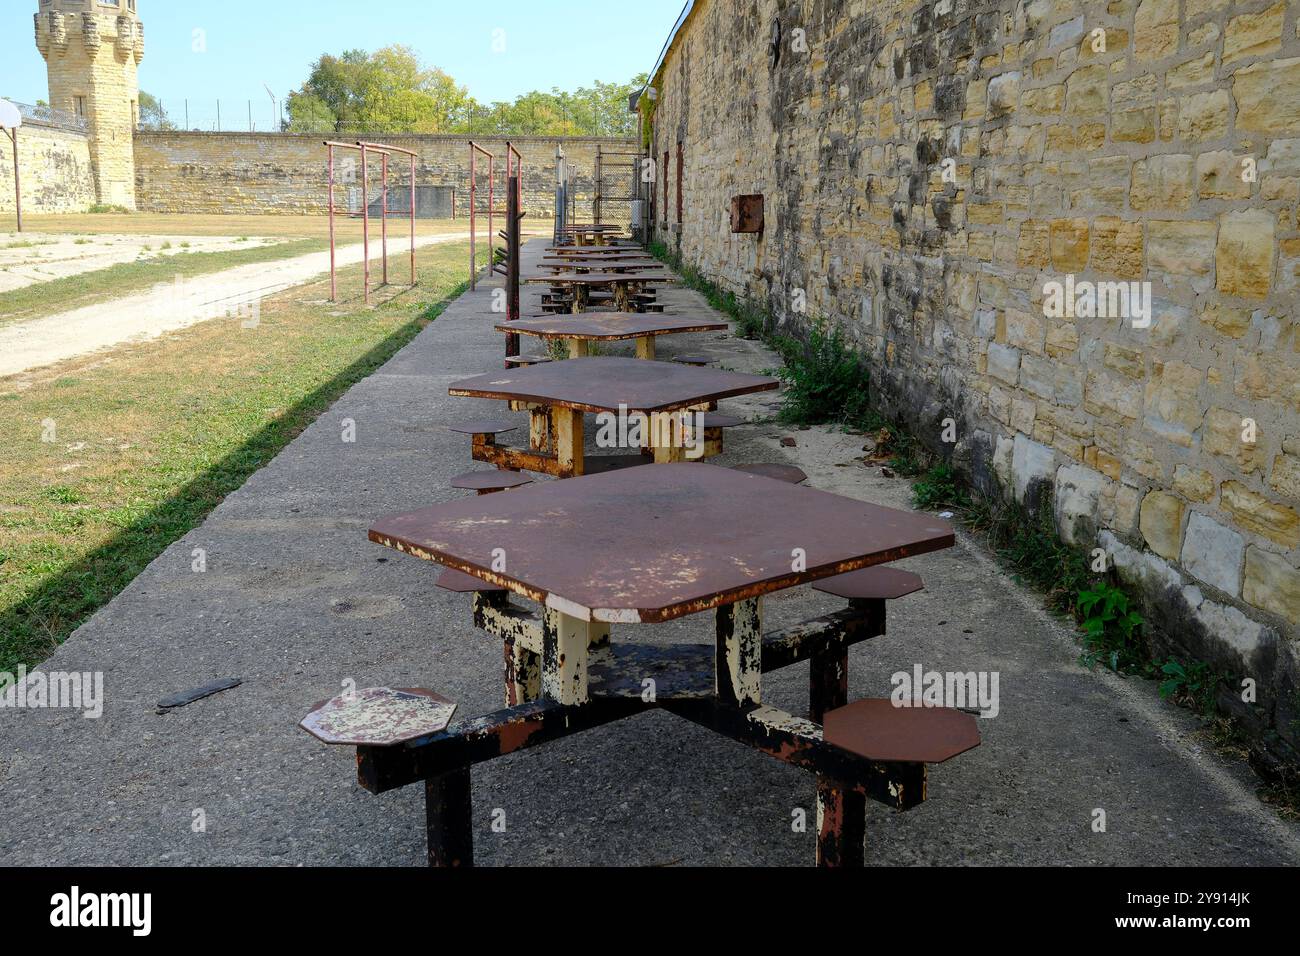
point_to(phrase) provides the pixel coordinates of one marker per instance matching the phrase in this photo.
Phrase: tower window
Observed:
(79, 106)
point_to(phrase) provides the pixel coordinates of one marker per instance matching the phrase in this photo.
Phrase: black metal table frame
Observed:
(564, 676)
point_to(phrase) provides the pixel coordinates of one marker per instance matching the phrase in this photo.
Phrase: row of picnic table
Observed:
(635, 539)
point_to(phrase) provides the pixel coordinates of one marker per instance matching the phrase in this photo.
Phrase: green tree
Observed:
(390, 90)
(152, 114)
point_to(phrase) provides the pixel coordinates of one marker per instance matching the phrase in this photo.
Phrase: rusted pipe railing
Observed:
(474, 150)
(384, 152)
(411, 155)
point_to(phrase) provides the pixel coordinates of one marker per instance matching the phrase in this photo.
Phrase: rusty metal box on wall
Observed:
(747, 213)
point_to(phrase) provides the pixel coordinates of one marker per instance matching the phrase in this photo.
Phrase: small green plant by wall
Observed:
(824, 382)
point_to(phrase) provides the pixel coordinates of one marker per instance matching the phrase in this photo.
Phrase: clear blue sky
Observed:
(560, 43)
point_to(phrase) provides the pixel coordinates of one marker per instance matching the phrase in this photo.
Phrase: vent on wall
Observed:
(747, 213)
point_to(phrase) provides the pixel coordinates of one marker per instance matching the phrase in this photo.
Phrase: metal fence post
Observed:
(513, 216)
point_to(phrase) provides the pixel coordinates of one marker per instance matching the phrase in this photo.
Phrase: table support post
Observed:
(667, 438)
(578, 348)
(841, 825)
(841, 813)
(565, 641)
(539, 427)
(568, 440)
(523, 674)
(738, 666)
(645, 348)
(828, 681)
(448, 816)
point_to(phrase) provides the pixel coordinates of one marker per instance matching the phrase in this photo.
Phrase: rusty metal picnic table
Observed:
(610, 263)
(623, 284)
(580, 330)
(641, 547)
(619, 266)
(595, 235)
(623, 248)
(557, 394)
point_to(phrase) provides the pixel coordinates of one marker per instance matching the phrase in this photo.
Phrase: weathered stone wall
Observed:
(55, 171)
(254, 173)
(930, 168)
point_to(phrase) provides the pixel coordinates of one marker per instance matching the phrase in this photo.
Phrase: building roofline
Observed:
(663, 54)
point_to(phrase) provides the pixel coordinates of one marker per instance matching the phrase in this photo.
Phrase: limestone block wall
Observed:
(255, 173)
(939, 177)
(54, 170)
(92, 50)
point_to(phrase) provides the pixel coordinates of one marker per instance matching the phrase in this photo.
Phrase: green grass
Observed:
(72, 292)
(150, 441)
(26, 244)
(940, 487)
(826, 382)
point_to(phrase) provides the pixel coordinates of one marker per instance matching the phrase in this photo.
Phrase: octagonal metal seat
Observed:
(879, 583)
(484, 426)
(878, 730)
(787, 473)
(490, 482)
(379, 717)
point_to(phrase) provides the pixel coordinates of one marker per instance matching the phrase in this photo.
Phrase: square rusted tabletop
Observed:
(600, 278)
(609, 263)
(612, 326)
(595, 252)
(601, 384)
(655, 543)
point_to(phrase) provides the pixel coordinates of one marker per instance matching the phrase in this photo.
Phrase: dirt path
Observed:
(30, 259)
(146, 315)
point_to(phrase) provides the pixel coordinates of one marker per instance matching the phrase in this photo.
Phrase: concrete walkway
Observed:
(168, 307)
(295, 601)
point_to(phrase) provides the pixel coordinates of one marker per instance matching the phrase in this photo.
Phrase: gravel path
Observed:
(166, 308)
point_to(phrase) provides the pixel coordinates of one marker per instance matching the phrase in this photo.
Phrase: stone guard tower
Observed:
(92, 49)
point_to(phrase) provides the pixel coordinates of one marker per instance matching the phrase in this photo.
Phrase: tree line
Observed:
(391, 91)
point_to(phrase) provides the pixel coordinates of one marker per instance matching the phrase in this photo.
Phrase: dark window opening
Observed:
(667, 164)
(680, 161)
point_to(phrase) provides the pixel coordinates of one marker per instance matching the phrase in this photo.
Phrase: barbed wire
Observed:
(217, 116)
